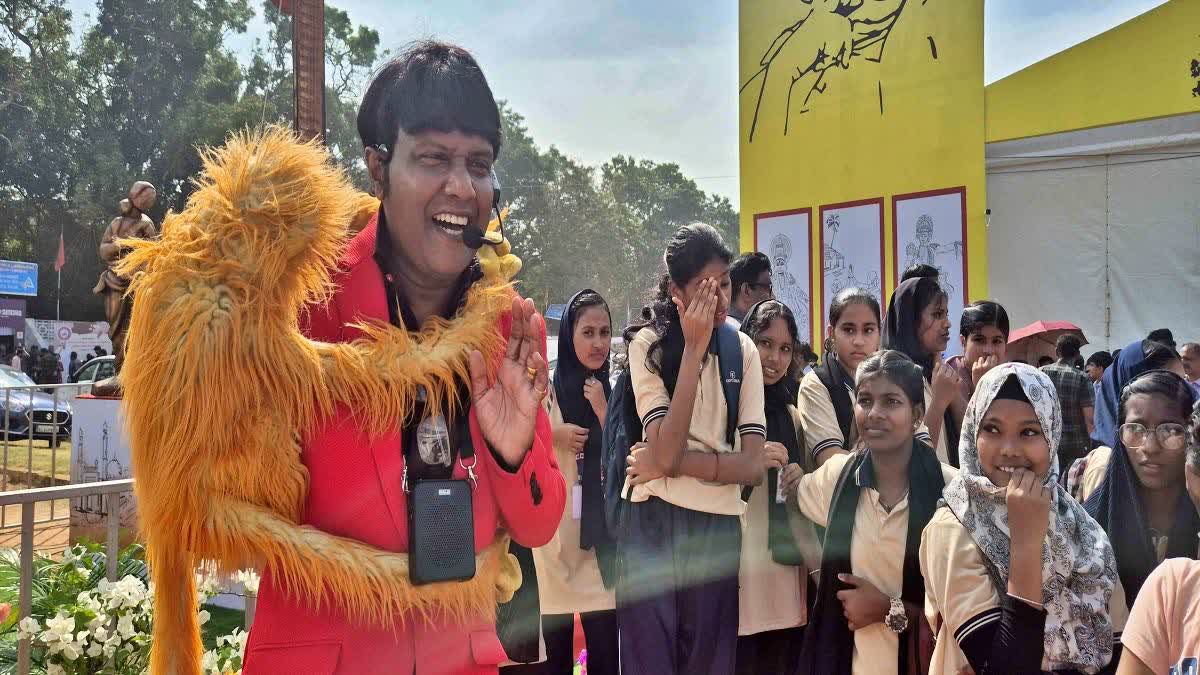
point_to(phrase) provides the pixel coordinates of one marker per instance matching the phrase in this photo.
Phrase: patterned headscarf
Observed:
(1078, 565)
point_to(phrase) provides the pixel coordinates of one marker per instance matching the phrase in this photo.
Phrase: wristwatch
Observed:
(896, 620)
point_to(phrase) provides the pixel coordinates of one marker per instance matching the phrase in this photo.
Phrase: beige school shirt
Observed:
(817, 416)
(770, 596)
(821, 429)
(708, 422)
(959, 595)
(568, 576)
(876, 553)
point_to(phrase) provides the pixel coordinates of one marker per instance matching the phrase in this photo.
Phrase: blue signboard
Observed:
(18, 278)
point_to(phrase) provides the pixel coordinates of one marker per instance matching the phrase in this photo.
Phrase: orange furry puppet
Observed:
(221, 387)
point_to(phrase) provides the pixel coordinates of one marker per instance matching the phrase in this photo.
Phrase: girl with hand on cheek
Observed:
(677, 593)
(874, 503)
(1018, 577)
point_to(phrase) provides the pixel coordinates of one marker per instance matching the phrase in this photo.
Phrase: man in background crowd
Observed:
(1162, 335)
(1094, 368)
(750, 277)
(1077, 397)
(1190, 353)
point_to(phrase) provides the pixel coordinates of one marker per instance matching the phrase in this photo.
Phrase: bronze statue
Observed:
(133, 223)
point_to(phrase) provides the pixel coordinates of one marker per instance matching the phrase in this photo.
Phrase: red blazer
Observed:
(355, 491)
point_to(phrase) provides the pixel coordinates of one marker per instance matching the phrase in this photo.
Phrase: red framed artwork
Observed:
(931, 228)
(786, 238)
(851, 244)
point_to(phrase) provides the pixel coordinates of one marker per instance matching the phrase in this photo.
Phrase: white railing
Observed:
(28, 499)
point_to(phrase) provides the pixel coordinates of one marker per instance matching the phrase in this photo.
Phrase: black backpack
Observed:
(623, 426)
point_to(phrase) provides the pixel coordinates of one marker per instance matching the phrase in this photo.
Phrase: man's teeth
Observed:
(1010, 469)
(451, 219)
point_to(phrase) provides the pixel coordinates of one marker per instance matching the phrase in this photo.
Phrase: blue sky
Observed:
(657, 79)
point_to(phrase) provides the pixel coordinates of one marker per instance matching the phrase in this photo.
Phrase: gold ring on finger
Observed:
(531, 372)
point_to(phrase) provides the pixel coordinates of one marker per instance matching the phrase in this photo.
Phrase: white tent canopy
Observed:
(1100, 227)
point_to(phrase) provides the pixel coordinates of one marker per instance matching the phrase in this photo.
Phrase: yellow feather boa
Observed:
(220, 385)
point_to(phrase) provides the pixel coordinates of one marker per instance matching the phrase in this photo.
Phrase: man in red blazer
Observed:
(431, 129)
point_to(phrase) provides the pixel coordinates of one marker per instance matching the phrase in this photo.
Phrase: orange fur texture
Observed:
(221, 388)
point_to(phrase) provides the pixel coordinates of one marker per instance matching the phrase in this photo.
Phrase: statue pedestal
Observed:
(101, 452)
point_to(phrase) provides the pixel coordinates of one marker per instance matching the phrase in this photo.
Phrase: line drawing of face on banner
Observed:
(824, 38)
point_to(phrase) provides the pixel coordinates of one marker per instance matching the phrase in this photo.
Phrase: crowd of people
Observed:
(723, 500)
(44, 364)
(880, 510)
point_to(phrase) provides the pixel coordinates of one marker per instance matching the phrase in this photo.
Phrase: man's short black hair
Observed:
(1067, 347)
(430, 86)
(1100, 359)
(747, 268)
(920, 270)
(1162, 335)
(983, 313)
(1045, 361)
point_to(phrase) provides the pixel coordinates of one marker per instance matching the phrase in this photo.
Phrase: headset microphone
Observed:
(473, 236)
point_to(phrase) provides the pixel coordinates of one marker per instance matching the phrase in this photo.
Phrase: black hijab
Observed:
(781, 428)
(828, 641)
(900, 328)
(569, 376)
(1117, 505)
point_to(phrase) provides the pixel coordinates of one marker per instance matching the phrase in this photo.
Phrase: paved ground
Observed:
(50, 537)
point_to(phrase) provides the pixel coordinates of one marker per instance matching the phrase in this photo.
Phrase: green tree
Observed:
(145, 87)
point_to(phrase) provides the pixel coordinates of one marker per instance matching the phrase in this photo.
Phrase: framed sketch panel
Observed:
(785, 237)
(931, 229)
(851, 241)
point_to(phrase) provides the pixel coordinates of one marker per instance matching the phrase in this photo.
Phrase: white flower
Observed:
(125, 627)
(208, 663)
(82, 637)
(249, 580)
(55, 669)
(99, 633)
(88, 600)
(28, 627)
(95, 650)
(128, 592)
(71, 651)
(59, 626)
(203, 616)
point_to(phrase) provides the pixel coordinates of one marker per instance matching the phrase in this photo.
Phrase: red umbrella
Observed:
(1036, 340)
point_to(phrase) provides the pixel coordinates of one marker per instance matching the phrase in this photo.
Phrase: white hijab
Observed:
(1078, 565)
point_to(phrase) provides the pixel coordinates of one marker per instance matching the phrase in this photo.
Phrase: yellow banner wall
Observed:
(1146, 68)
(845, 107)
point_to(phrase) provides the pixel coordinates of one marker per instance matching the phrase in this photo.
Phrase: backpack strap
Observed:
(729, 359)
